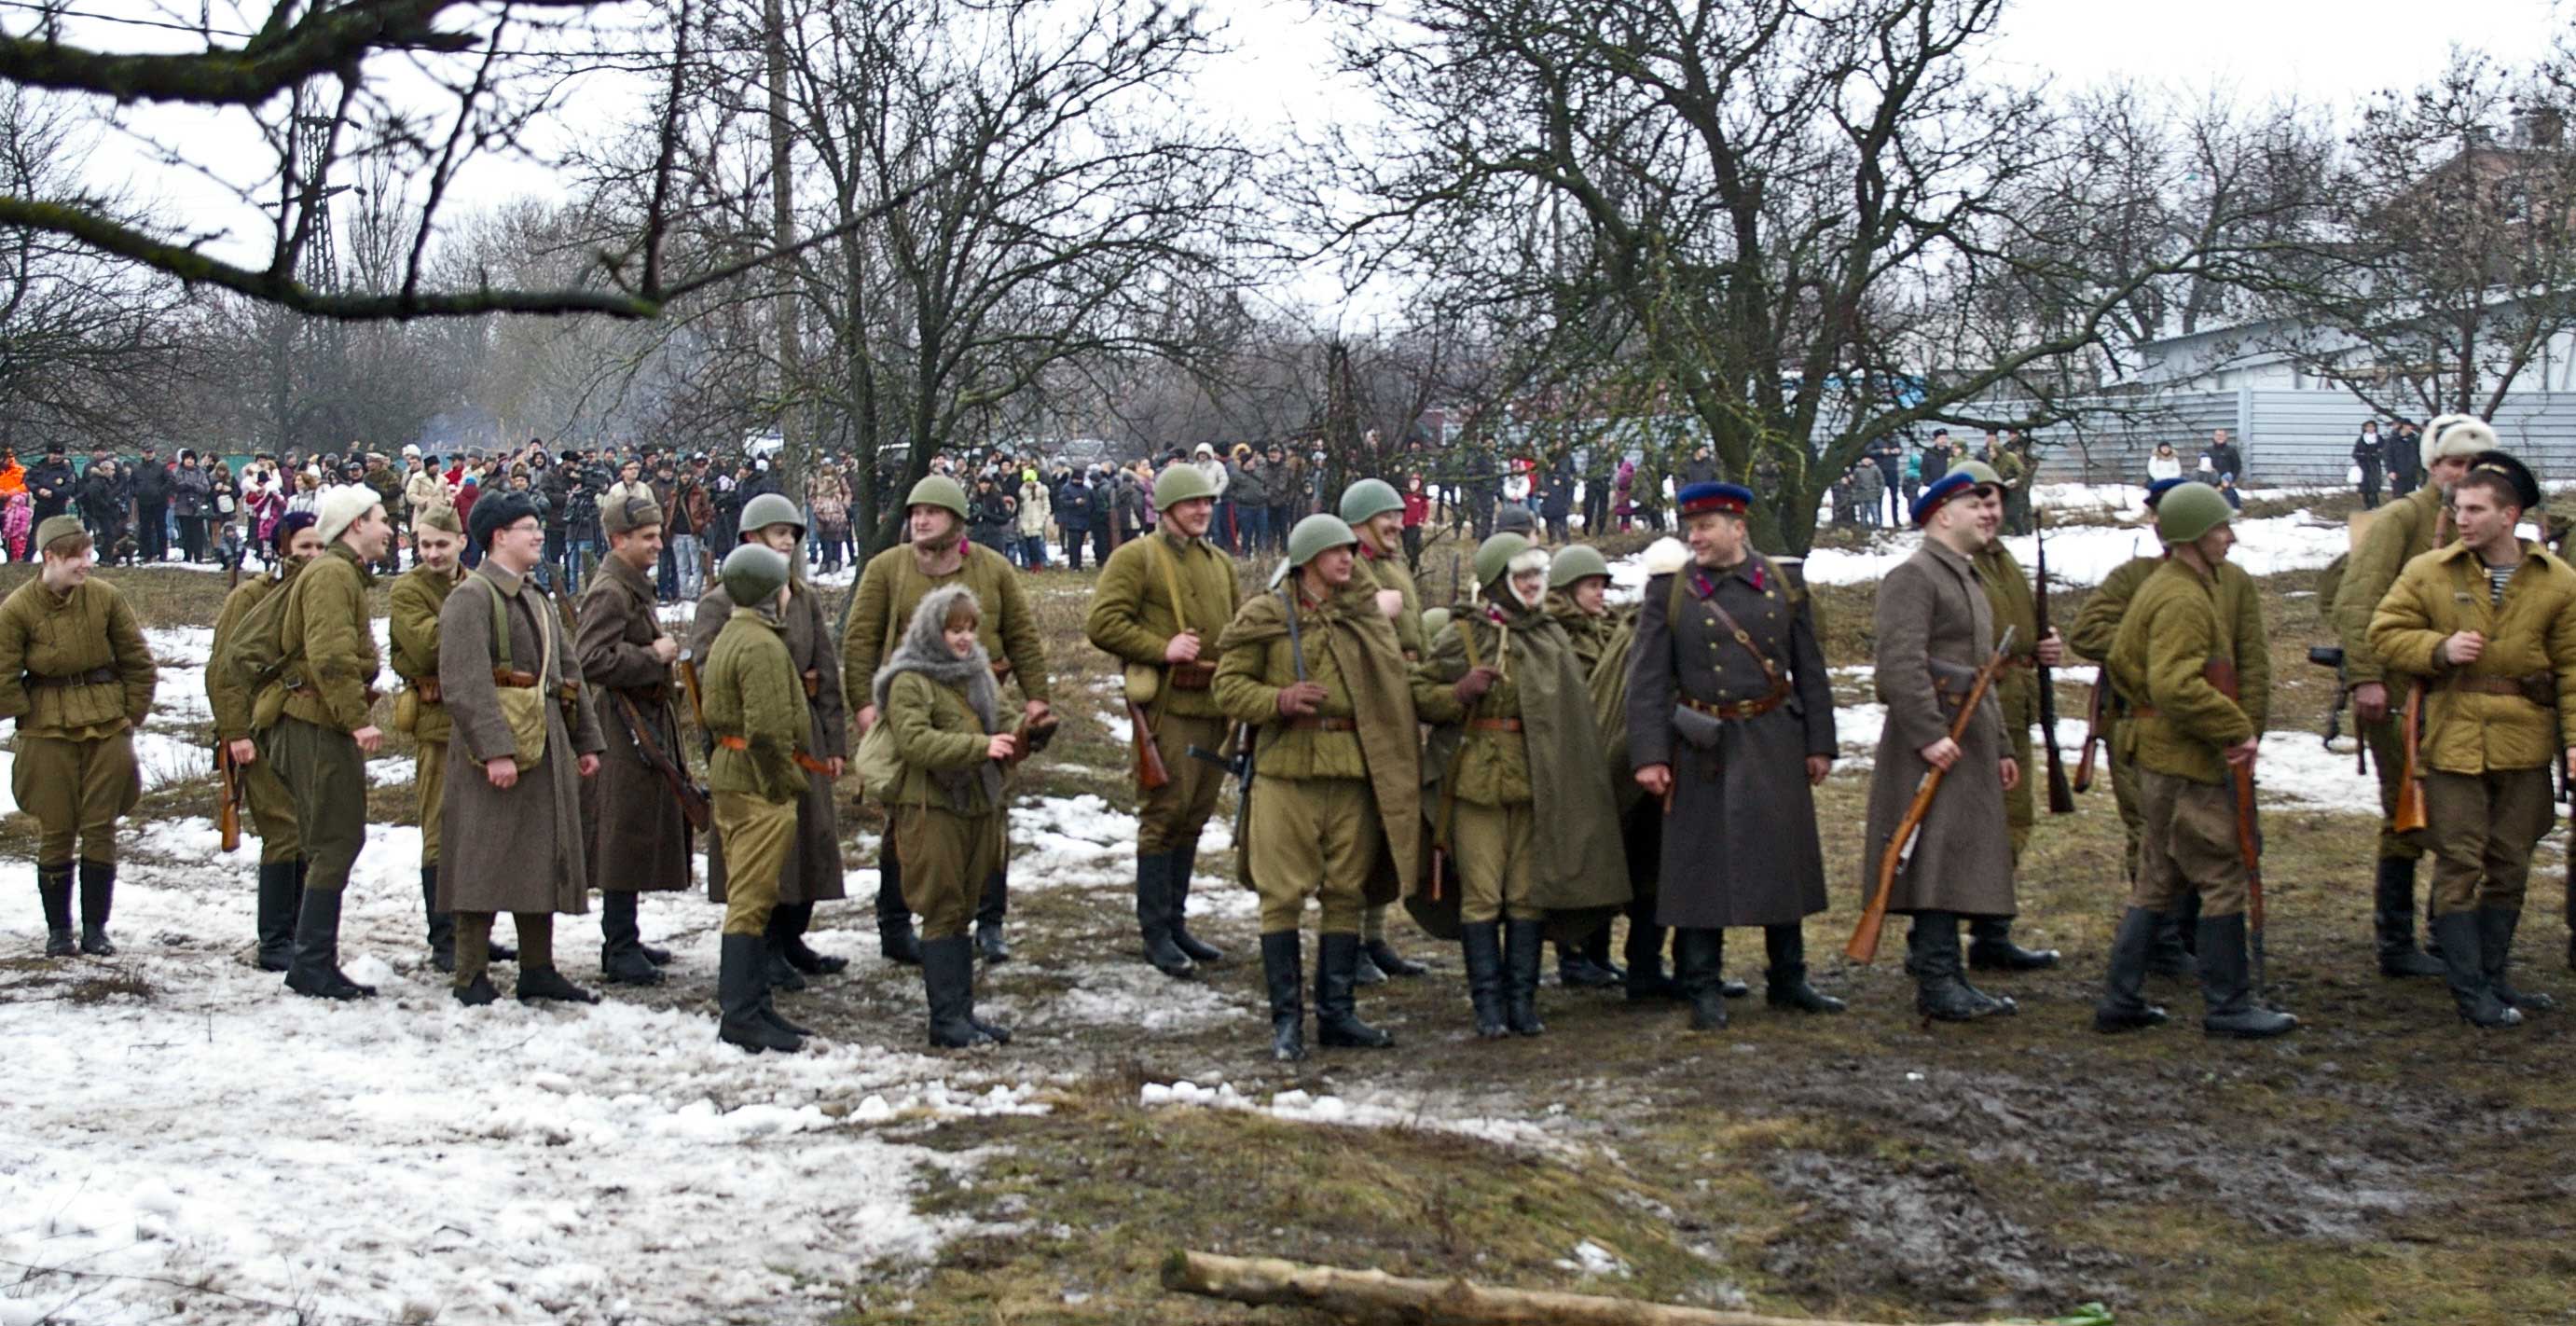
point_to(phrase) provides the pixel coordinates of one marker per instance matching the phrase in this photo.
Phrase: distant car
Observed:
(763, 444)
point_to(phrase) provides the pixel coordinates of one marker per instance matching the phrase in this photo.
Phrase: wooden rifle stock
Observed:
(2250, 847)
(1873, 919)
(1150, 772)
(228, 815)
(2061, 798)
(2094, 709)
(2410, 789)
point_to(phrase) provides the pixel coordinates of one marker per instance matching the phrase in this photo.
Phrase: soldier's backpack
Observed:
(255, 654)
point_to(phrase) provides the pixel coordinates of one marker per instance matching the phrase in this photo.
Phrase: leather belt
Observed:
(100, 676)
(803, 761)
(1320, 723)
(1495, 724)
(1753, 708)
(565, 693)
(1192, 676)
(2540, 687)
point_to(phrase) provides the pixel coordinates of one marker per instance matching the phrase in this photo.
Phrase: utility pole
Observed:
(782, 225)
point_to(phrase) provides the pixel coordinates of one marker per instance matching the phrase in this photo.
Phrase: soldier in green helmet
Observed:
(1315, 670)
(753, 698)
(2181, 658)
(1520, 748)
(889, 589)
(1160, 603)
(1578, 598)
(1376, 515)
(813, 871)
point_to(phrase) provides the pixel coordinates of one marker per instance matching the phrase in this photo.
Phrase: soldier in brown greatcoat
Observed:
(639, 838)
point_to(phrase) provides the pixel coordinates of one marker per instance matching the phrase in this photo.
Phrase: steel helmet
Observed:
(1495, 555)
(1180, 483)
(1978, 471)
(1369, 497)
(770, 509)
(1433, 620)
(752, 574)
(1576, 563)
(2189, 511)
(940, 491)
(1315, 534)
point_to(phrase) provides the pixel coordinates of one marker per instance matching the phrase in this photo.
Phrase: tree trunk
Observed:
(1375, 1296)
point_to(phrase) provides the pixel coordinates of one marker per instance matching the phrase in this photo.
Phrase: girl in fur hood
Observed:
(938, 699)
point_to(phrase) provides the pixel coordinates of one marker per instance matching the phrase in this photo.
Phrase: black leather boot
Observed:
(2495, 951)
(1785, 981)
(1283, 974)
(1522, 941)
(2123, 1006)
(1698, 956)
(2168, 954)
(278, 895)
(1154, 915)
(1367, 972)
(1941, 989)
(1337, 1022)
(1991, 948)
(2393, 915)
(2227, 987)
(54, 889)
(97, 897)
(546, 985)
(1575, 969)
(1383, 956)
(989, 910)
(947, 979)
(1184, 861)
(768, 1006)
(621, 947)
(1480, 945)
(1596, 950)
(741, 960)
(774, 935)
(2464, 966)
(803, 958)
(441, 925)
(1646, 979)
(896, 940)
(315, 969)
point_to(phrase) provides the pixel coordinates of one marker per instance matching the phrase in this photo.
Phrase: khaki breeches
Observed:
(430, 797)
(1491, 846)
(2188, 845)
(76, 789)
(946, 859)
(756, 834)
(2387, 742)
(1314, 837)
(2482, 828)
(1169, 817)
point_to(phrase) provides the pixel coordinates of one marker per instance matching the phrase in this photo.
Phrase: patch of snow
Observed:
(1386, 1111)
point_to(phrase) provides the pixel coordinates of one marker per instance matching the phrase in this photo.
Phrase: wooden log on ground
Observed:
(1378, 1298)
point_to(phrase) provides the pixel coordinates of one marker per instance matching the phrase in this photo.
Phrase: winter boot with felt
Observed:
(1480, 945)
(1337, 1022)
(2123, 1006)
(1283, 975)
(1785, 981)
(1522, 941)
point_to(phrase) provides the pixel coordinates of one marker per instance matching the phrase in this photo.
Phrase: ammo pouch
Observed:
(1701, 731)
(407, 710)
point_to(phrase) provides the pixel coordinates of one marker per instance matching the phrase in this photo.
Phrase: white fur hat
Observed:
(1665, 556)
(2457, 435)
(340, 508)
